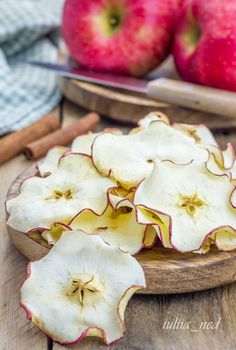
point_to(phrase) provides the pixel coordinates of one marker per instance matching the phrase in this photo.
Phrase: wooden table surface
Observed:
(146, 316)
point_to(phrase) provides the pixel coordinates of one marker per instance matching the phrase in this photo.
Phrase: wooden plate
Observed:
(127, 107)
(166, 270)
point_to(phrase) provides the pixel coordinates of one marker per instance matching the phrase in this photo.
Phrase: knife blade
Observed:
(110, 80)
(184, 94)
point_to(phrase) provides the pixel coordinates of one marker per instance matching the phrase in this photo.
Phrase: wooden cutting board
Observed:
(166, 270)
(127, 107)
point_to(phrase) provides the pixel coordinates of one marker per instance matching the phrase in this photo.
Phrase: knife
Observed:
(175, 92)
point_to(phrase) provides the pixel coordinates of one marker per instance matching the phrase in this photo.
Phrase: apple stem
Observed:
(113, 21)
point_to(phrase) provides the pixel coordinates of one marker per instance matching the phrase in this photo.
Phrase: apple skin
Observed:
(204, 46)
(129, 37)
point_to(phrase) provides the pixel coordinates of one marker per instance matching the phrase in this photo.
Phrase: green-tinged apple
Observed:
(205, 42)
(119, 36)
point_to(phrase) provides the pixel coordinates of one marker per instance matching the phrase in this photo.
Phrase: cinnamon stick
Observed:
(61, 137)
(13, 144)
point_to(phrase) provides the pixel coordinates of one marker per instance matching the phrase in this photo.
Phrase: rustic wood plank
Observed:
(16, 332)
(146, 316)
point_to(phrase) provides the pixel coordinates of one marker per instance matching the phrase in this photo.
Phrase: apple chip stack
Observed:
(171, 182)
(105, 199)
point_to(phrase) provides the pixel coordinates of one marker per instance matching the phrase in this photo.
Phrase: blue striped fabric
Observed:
(27, 93)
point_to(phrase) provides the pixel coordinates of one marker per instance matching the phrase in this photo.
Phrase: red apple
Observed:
(205, 42)
(120, 36)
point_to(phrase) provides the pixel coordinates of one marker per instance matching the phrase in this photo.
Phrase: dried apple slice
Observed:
(189, 203)
(118, 225)
(50, 162)
(151, 117)
(233, 173)
(200, 133)
(160, 223)
(215, 167)
(129, 158)
(122, 192)
(222, 162)
(233, 198)
(83, 143)
(148, 119)
(224, 239)
(53, 234)
(81, 288)
(228, 156)
(229, 162)
(60, 196)
(150, 237)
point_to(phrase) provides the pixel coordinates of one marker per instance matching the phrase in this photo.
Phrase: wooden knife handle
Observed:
(194, 96)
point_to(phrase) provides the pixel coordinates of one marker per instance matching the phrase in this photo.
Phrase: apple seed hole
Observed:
(191, 203)
(102, 228)
(83, 289)
(59, 194)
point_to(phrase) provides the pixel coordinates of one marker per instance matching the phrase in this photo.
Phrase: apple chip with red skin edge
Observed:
(150, 239)
(70, 295)
(122, 192)
(83, 143)
(74, 186)
(117, 226)
(228, 156)
(188, 204)
(233, 198)
(148, 119)
(154, 222)
(51, 161)
(116, 202)
(233, 174)
(53, 234)
(130, 158)
(200, 133)
(151, 117)
(223, 162)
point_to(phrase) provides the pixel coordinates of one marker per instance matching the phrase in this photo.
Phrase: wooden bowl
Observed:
(166, 270)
